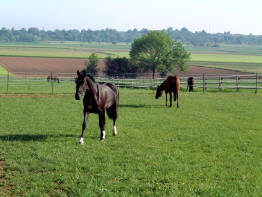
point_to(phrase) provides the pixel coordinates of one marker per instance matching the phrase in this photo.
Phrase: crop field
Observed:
(64, 49)
(243, 58)
(210, 146)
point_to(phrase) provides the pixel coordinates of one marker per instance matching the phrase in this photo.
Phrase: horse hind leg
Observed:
(170, 99)
(102, 121)
(112, 113)
(177, 105)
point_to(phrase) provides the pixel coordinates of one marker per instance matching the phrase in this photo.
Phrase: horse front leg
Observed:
(83, 127)
(102, 122)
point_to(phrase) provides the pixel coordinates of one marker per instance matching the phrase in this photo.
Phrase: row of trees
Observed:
(156, 51)
(185, 36)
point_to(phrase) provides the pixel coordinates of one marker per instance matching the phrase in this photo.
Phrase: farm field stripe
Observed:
(226, 58)
(3, 71)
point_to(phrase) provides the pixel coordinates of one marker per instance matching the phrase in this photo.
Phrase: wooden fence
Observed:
(203, 82)
(38, 83)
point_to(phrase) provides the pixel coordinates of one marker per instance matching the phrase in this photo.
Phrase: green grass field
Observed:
(210, 146)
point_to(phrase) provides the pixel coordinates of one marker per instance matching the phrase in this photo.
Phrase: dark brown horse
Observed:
(51, 77)
(171, 86)
(98, 99)
(190, 84)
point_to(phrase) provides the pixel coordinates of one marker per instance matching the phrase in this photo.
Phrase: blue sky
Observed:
(236, 16)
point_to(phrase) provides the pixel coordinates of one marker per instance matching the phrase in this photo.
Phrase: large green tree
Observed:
(157, 51)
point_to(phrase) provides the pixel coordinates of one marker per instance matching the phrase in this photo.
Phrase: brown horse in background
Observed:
(53, 78)
(171, 86)
(190, 84)
(98, 99)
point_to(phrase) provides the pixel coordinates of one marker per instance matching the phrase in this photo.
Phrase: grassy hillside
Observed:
(210, 146)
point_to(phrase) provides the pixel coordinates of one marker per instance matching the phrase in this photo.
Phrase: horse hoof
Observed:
(81, 141)
(114, 133)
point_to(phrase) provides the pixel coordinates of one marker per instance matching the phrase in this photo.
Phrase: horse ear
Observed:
(78, 73)
(84, 72)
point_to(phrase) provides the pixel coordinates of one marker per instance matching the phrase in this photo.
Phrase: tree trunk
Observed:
(153, 74)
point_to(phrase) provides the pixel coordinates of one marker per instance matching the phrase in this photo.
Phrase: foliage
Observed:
(185, 36)
(91, 64)
(157, 51)
(210, 146)
(120, 66)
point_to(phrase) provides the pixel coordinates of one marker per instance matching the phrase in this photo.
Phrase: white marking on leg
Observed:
(81, 140)
(114, 131)
(103, 135)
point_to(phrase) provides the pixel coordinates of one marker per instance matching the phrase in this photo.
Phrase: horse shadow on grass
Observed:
(139, 106)
(32, 137)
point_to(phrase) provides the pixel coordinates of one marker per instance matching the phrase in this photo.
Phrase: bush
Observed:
(91, 64)
(120, 67)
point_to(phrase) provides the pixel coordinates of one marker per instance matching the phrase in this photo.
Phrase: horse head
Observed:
(159, 91)
(81, 84)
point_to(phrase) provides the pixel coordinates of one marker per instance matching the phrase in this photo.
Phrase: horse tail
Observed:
(112, 111)
(115, 90)
(177, 90)
(176, 87)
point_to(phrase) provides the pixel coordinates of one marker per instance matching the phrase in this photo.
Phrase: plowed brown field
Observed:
(69, 65)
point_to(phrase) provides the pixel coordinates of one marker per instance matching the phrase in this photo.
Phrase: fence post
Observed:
(256, 83)
(203, 83)
(237, 82)
(7, 82)
(219, 83)
(52, 83)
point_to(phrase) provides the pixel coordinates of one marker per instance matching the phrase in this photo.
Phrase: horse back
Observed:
(172, 84)
(113, 87)
(113, 91)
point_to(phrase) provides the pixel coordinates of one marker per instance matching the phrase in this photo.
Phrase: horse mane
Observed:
(88, 75)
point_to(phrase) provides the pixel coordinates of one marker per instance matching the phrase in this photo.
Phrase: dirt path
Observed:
(71, 65)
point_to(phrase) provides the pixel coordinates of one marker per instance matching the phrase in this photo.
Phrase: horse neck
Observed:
(162, 86)
(93, 89)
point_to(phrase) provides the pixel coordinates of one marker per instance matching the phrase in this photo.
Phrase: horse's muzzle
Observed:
(157, 96)
(77, 96)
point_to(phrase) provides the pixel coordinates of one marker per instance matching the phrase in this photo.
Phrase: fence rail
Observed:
(39, 83)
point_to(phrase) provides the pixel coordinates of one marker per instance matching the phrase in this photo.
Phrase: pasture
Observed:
(210, 146)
